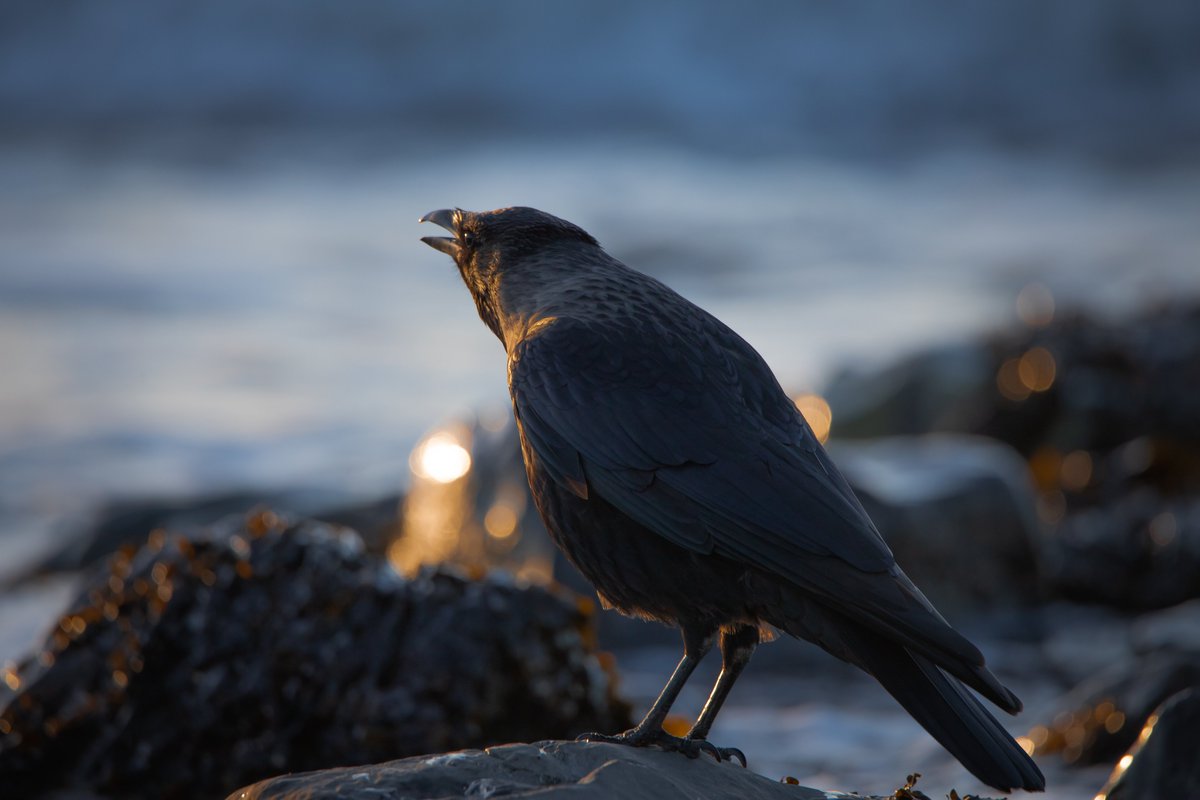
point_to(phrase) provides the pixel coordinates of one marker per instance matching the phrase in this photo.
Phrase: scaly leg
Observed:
(736, 648)
(696, 644)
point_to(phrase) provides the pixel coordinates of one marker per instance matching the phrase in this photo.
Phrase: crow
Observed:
(677, 475)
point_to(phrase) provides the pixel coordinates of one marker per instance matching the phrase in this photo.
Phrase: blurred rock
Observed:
(932, 390)
(546, 770)
(191, 666)
(947, 505)
(1102, 716)
(1105, 412)
(128, 521)
(1175, 629)
(1139, 551)
(1074, 381)
(1163, 764)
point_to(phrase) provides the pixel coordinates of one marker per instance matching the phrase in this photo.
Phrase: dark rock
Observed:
(932, 390)
(1101, 717)
(545, 770)
(1076, 382)
(1137, 551)
(1173, 630)
(189, 667)
(1163, 764)
(947, 505)
(1106, 414)
(128, 521)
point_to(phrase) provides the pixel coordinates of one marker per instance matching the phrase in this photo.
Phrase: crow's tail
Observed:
(946, 709)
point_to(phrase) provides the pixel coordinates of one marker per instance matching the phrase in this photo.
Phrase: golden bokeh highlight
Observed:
(500, 521)
(817, 413)
(1036, 369)
(1075, 473)
(1008, 381)
(441, 458)
(436, 508)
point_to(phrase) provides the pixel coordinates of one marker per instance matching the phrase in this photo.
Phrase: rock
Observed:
(1074, 381)
(122, 522)
(946, 505)
(1104, 411)
(191, 666)
(1174, 630)
(1101, 717)
(1163, 764)
(932, 390)
(545, 770)
(1136, 551)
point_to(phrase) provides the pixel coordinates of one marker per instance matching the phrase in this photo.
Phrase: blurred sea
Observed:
(210, 267)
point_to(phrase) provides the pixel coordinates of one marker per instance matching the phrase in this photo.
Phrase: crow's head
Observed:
(509, 246)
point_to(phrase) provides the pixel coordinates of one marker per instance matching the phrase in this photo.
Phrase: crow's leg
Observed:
(736, 648)
(696, 644)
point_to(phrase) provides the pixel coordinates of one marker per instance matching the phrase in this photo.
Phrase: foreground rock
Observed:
(546, 770)
(1163, 764)
(1104, 715)
(190, 667)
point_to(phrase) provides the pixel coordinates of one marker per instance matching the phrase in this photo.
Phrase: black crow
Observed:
(679, 477)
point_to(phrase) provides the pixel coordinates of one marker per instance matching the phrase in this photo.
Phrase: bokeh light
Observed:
(816, 411)
(441, 458)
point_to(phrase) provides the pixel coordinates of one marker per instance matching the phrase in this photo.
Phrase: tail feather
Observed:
(947, 709)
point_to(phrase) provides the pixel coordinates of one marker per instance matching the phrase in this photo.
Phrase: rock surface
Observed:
(125, 522)
(189, 667)
(947, 504)
(1138, 551)
(1163, 764)
(545, 770)
(1102, 716)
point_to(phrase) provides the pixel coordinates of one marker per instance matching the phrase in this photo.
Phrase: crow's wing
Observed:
(686, 430)
(691, 436)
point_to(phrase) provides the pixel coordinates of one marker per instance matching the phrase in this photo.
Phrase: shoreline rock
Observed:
(546, 770)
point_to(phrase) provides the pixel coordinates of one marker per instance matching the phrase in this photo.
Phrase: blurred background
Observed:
(211, 284)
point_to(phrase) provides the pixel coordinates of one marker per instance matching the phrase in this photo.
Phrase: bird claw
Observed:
(724, 753)
(692, 748)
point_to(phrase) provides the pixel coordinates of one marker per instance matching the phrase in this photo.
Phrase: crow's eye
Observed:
(467, 238)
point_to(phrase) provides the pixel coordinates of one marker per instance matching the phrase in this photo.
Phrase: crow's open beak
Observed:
(444, 217)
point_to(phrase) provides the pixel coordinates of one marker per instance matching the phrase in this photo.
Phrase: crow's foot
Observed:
(721, 753)
(657, 737)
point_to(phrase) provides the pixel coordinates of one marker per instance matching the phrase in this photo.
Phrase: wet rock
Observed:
(128, 521)
(932, 390)
(1163, 764)
(191, 666)
(546, 770)
(1173, 630)
(1138, 551)
(1074, 381)
(947, 504)
(1102, 716)
(1106, 415)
